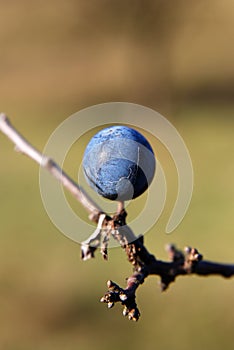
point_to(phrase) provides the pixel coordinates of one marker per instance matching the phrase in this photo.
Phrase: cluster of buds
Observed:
(118, 294)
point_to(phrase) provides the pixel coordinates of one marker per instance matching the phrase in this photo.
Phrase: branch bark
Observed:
(144, 263)
(23, 146)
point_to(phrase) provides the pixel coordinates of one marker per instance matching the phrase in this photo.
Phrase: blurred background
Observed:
(57, 57)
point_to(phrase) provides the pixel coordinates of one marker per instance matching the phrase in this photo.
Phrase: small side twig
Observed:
(144, 264)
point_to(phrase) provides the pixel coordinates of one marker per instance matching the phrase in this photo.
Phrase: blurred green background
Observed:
(57, 57)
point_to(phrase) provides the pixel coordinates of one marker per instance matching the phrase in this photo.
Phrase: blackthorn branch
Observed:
(144, 264)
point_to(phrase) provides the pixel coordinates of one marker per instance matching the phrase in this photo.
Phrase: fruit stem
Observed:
(120, 207)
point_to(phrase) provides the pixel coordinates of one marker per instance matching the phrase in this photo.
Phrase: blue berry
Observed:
(119, 163)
